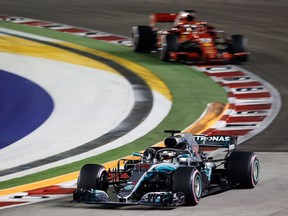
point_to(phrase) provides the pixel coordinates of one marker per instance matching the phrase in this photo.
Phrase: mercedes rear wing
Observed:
(216, 141)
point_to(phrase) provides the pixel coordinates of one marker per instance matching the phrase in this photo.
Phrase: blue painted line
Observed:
(24, 106)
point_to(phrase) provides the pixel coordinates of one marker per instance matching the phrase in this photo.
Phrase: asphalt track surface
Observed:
(264, 22)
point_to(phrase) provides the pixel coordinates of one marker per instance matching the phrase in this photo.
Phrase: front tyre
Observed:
(239, 44)
(92, 176)
(189, 181)
(170, 44)
(243, 169)
(143, 38)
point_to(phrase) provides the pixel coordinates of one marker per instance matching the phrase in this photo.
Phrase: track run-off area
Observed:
(235, 116)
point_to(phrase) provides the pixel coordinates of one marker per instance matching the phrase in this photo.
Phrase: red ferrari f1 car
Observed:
(179, 37)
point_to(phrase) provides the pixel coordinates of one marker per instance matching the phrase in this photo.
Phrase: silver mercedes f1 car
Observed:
(180, 173)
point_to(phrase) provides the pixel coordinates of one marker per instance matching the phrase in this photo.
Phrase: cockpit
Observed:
(179, 148)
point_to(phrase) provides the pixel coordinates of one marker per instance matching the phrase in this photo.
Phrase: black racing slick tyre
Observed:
(243, 169)
(92, 176)
(239, 44)
(170, 44)
(143, 38)
(188, 180)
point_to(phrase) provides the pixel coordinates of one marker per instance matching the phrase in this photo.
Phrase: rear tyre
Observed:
(93, 176)
(243, 169)
(188, 180)
(170, 44)
(143, 38)
(239, 44)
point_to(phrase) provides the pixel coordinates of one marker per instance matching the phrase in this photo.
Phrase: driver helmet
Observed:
(167, 156)
(185, 17)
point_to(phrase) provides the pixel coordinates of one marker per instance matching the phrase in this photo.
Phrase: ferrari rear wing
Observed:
(216, 141)
(162, 17)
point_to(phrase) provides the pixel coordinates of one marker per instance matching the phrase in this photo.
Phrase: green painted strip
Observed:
(191, 91)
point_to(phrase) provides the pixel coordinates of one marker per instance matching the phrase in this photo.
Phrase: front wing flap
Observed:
(163, 199)
(97, 196)
(152, 198)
